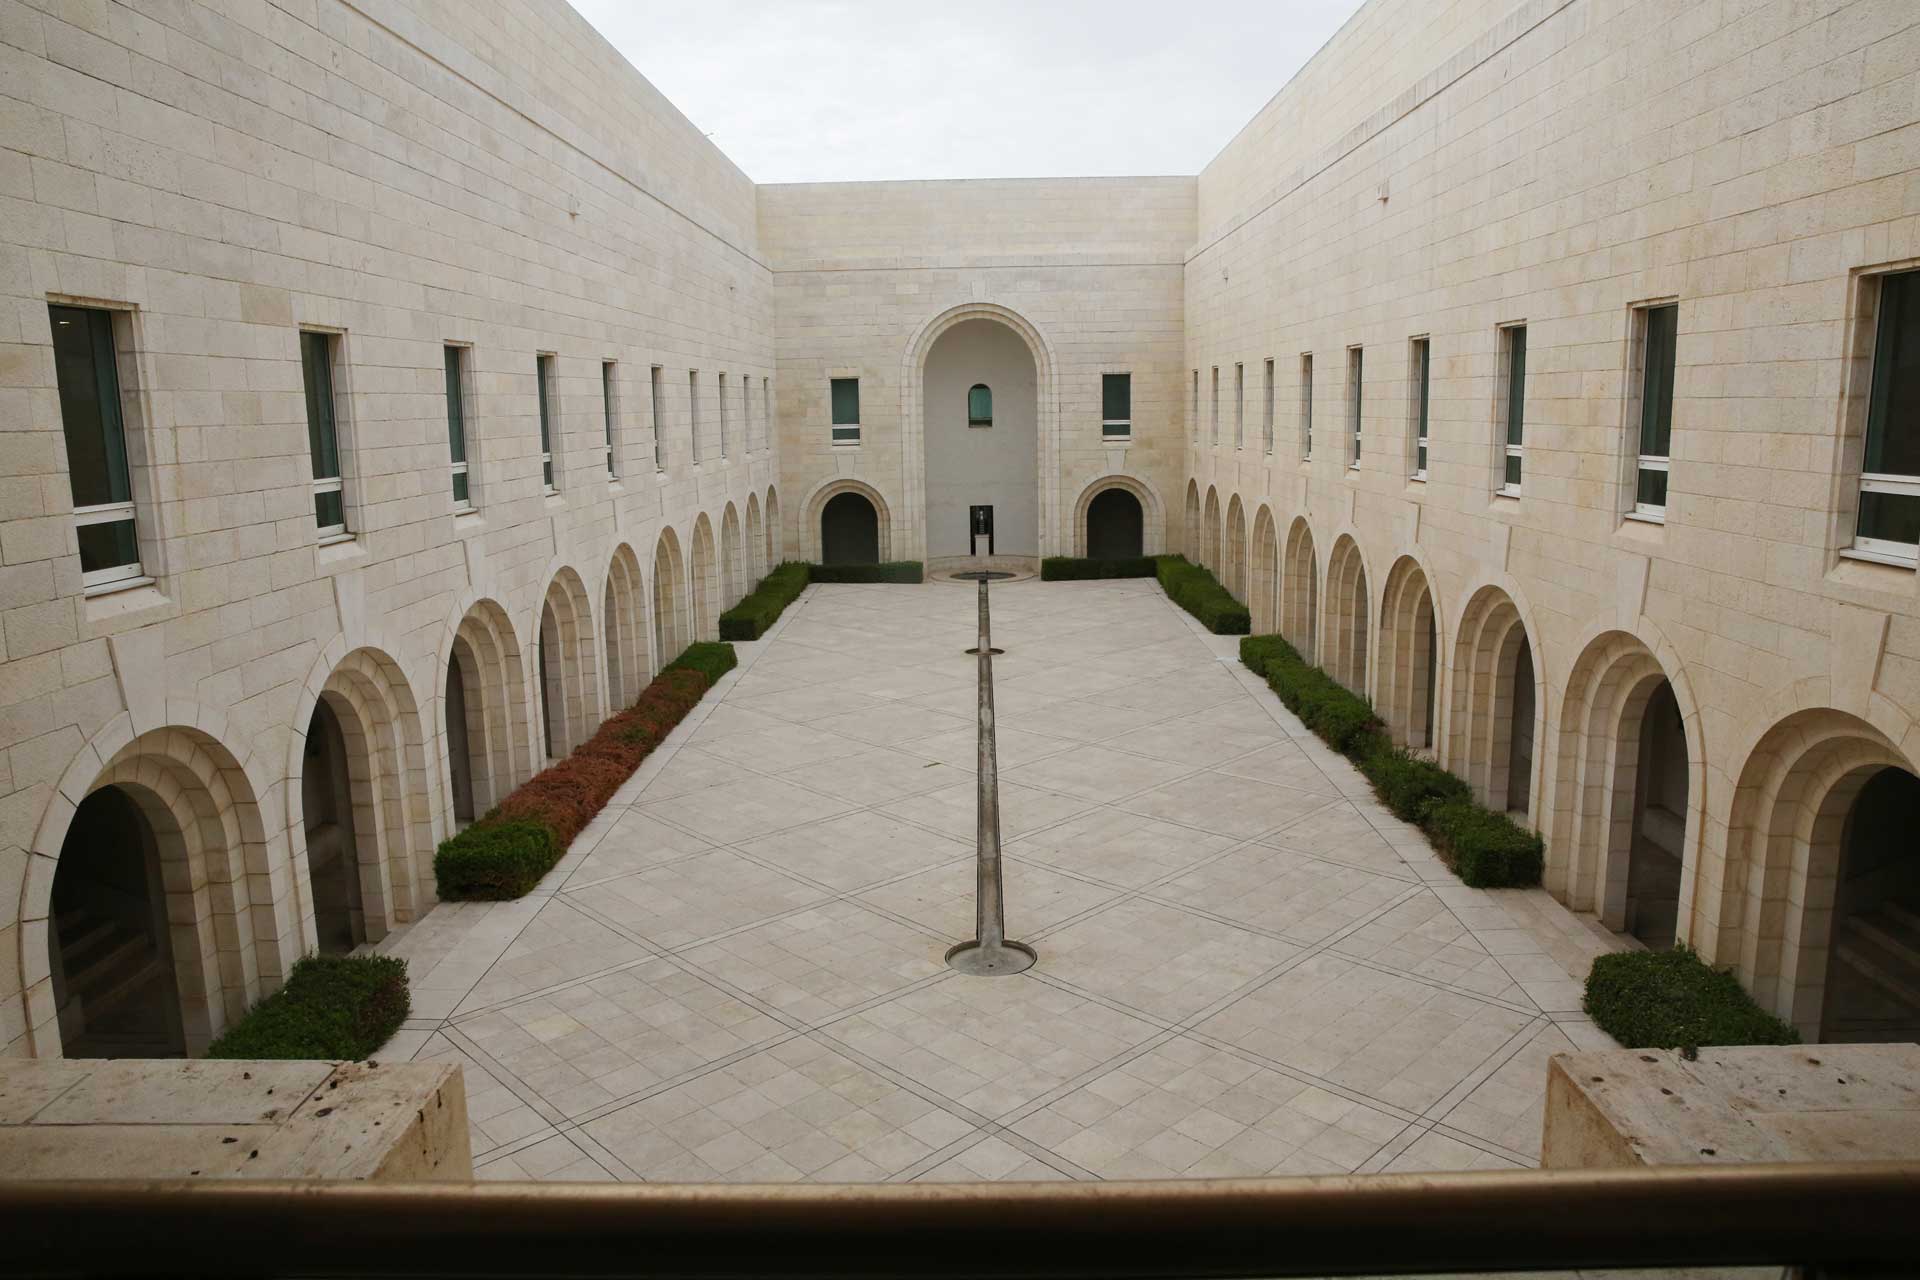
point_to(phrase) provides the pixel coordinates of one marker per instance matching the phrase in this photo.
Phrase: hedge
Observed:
(1485, 849)
(1675, 1000)
(507, 851)
(891, 571)
(339, 1007)
(1072, 569)
(1198, 592)
(762, 607)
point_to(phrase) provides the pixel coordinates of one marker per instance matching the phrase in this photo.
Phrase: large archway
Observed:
(981, 418)
(488, 748)
(1210, 531)
(1233, 556)
(1409, 656)
(1115, 525)
(1347, 610)
(1263, 577)
(849, 530)
(669, 597)
(1494, 714)
(624, 621)
(757, 562)
(333, 859)
(1190, 524)
(569, 684)
(733, 570)
(703, 577)
(776, 536)
(1300, 592)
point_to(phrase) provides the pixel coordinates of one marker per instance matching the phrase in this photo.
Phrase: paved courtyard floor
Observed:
(1247, 966)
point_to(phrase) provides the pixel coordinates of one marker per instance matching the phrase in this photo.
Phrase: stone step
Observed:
(1885, 969)
(1885, 929)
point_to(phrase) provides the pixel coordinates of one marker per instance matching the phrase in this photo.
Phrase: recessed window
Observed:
(1306, 405)
(766, 411)
(979, 405)
(1355, 370)
(1116, 406)
(1512, 401)
(318, 351)
(1213, 408)
(456, 367)
(723, 415)
(846, 410)
(1417, 379)
(693, 412)
(90, 417)
(1266, 411)
(659, 419)
(1889, 523)
(1659, 337)
(1194, 417)
(1239, 406)
(607, 409)
(543, 390)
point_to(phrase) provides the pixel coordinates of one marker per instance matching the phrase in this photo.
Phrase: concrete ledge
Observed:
(120, 1118)
(1739, 1104)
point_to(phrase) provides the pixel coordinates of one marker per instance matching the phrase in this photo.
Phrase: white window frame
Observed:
(1306, 406)
(609, 375)
(1239, 405)
(1639, 318)
(693, 413)
(721, 400)
(656, 375)
(766, 413)
(1904, 555)
(1196, 406)
(1419, 401)
(851, 440)
(1503, 410)
(1356, 399)
(117, 577)
(546, 372)
(330, 534)
(1213, 409)
(1266, 421)
(1108, 425)
(464, 467)
(100, 581)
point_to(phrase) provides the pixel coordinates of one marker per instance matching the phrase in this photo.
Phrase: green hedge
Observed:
(1675, 1000)
(495, 861)
(1198, 592)
(1410, 786)
(754, 615)
(710, 658)
(1487, 850)
(891, 571)
(340, 1007)
(1324, 705)
(1072, 569)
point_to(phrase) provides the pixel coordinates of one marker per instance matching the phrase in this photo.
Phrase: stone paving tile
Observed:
(636, 841)
(496, 1116)
(942, 899)
(1159, 959)
(746, 808)
(822, 961)
(558, 946)
(553, 1159)
(1022, 809)
(691, 769)
(1100, 773)
(1509, 1107)
(992, 1160)
(877, 775)
(697, 897)
(1226, 805)
(1340, 833)
(1283, 764)
(1120, 848)
(893, 723)
(1436, 1152)
(857, 849)
(1421, 936)
(1303, 899)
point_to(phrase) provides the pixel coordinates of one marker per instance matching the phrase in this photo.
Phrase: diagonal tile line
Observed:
(605, 1109)
(1463, 1088)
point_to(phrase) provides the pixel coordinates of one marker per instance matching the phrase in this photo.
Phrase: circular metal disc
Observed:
(977, 961)
(975, 651)
(983, 575)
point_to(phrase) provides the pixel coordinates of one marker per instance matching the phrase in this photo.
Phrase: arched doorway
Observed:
(1210, 532)
(1651, 910)
(1300, 592)
(704, 578)
(1116, 526)
(1263, 578)
(569, 684)
(1491, 733)
(1409, 653)
(849, 530)
(1347, 626)
(1233, 556)
(669, 598)
(623, 611)
(982, 439)
(115, 991)
(1873, 978)
(333, 861)
(459, 747)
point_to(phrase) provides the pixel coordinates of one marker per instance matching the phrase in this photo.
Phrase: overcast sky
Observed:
(847, 90)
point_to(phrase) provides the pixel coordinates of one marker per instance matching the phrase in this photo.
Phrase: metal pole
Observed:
(989, 954)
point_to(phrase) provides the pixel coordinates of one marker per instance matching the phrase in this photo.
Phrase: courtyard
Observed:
(1247, 965)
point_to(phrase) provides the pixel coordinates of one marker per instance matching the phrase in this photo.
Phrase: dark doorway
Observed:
(1115, 526)
(113, 982)
(1873, 977)
(459, 761)
(1520, 734)
(849, 531)
(333, 858)
(1660, 822)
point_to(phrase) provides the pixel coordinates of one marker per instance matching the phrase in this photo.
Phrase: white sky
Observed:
(851, 90)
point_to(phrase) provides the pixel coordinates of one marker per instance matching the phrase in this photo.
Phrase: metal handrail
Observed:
(1840, 1219)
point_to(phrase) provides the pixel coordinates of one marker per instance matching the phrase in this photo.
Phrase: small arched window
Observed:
(980, 405)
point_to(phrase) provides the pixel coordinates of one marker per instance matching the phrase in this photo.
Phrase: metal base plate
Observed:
(975, 651)
(977, 961)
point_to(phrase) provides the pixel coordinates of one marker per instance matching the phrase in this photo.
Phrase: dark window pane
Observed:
(328, 509)
(846, 433)
(546, 472)
(1516, 384)
(979, 405)
(456, 409)
(1420, 460)
(1890, 517)
(460, 486)
(1652, 489)
(1656, 389)
(1116, 396)
(546, 425)
(1893, 414)
(90, 405)
(316, 366)
(108, 546)
(1513, 470)
(846, 402)
(1420, 389)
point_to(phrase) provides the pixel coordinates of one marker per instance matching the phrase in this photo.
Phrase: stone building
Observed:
(390, 387)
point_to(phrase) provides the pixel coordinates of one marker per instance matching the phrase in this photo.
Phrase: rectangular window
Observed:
(607, 411)
(1266, 411)
(1306, 405)
(1417, 378)
(1355, 369)
(1213, 408)
(846, 410)
(766, 411)
(1889, 522)
(317, 352)
(543, 388)
(456, 363)
(659, 421)
(747, 419)
(723, 415)
(1194, 417)
(1513, 403)
(693, 412)
(1116, 406)
(1659, 340)
(88, 374)
(1239, 406)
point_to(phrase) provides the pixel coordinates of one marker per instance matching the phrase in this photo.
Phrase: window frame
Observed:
(1356, 381)
(1213, 409)
(1266, 412)
(1116, 428)
(545, 374)
(1507, 399)
(330, 344)
(985, 423)
(1306, 406)
(1239, 405)
(609, 406)
(1195, 433)
(1419, 402)
(1873, 418)
(693, 414)
(1639, 368)
(843, 434)
(720, 400)
(766, 413)
(109, 392)
(456, 359)
(656, 382)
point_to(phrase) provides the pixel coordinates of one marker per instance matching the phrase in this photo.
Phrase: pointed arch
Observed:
(671, 618)
(1300, 591)
(1263, 573)
(1409, 656)
(1234, 553)
(623, 611)
(1497, 708)
(1346, 625)
(568, 681)
(703, 579)
(733, 571)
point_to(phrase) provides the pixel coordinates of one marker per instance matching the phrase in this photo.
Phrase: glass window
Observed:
(1194, 417)
(1266, 411)
(88, 375)
(1890, 474)
(979, 405)
(1239, 406)
(722, 400)
(693, 411)
(1213, 409)
(1306, 405)
(543, 389)
(1660, 330)
(457, 426)
(1513, 397)
(846, 410)
(606, 409)
(1116, 405)
(1418, 396)
(659, 422)
(323, 435)
(1355, 367)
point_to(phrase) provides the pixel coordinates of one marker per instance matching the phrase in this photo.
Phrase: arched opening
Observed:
(669, 598)
(982, 447)
(1234, 554)
(776, 536)
(1210, 532)
(1190, 527)
(1408, 656)
(757, 563)
(849, 530)
(1873, 977)
(333, 859)
(569, 687)
(1263, 580)
(733, 572)
(1651, 910)
(1300, 593)
(624, 621)
(1347, 625)
(1116, 526)
(459, 745)
(704, 580)
(485, 713)
(1491, 735)
(115, 990)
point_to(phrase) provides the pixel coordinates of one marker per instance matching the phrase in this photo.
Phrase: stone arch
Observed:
(1263, 573)
(1300, 591)
(776, 533)
(1407, 686)
(1346, 625)
(816, 505)
(756, 549)
(1152, 516)
(624, 625)
(1497, 708)
(1597, 771)
(567, 681)
(1190, 531)
(703, 577)
(482, 646)
(220, 855)
(671, 621)
(733, 572)
(1210, 531)
(1233, 555)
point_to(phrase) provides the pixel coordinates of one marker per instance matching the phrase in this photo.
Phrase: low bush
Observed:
(340, 1007)
(891, 571)
(495, 861)
(1198, 592)
(1487, 850)
(1072, 569)
(760, 609)
(1410, 786)
(710, 658)
(1675, 1000)
(1257, 651)
(1340, 716)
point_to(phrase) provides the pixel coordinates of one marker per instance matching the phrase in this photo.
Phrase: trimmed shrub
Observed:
(494, 861)
(891, 571)
(661, 705)
(1487, 850)
(1411, 786)
(1675, 1000)
(339, 1007)
(710, 658)
(1257, 651)
(1340, 716)
(755, 614)
(1072, 569)
(1198, 592)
